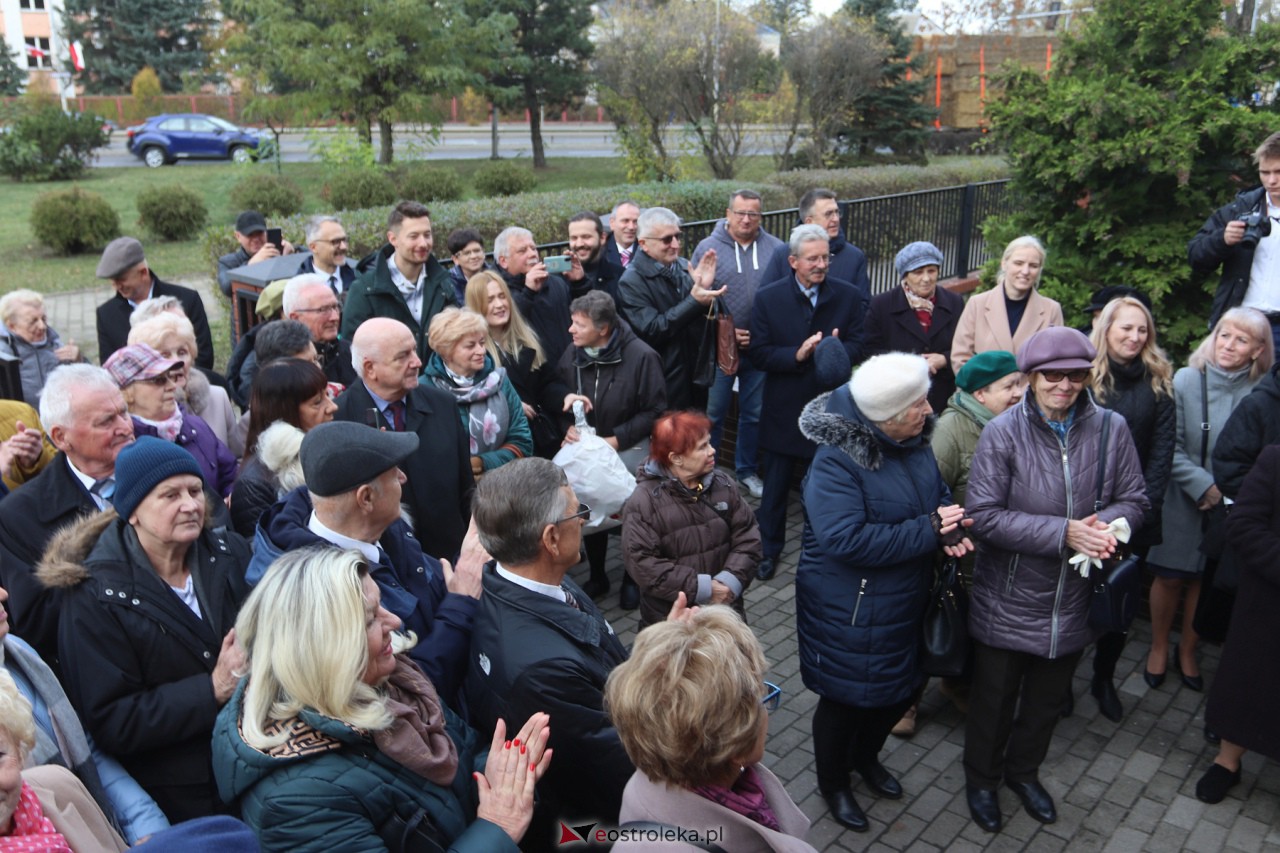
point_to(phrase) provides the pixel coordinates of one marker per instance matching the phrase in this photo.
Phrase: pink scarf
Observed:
(32, 832)
(416, 737)
(746, 798)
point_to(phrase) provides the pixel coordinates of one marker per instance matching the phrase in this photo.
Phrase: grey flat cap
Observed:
(121, 255)
(340, 455)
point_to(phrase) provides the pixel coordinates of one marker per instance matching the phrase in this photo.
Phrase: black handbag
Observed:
(704, 366)
(1117, 586)
(944, 641)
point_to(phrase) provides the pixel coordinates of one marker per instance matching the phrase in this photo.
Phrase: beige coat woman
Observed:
(984, 325)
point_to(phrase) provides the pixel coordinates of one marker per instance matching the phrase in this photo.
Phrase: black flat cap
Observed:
(340, 455)
(121, 255)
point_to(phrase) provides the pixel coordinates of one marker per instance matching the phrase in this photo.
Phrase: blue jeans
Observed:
(750, 399)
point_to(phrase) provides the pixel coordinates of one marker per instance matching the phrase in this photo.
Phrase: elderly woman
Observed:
(292, 393)
(1008, 315)
(27, 337)
(876, 515)
(149, 382)
(1133, 378)
(1032, 494)
(172, 335)
(918, 317)
(490, 408)
(697, 752)
(515, 345)
(466, 248)
(1222, 371)
(149, 595)
(337, 741)
(686, 527)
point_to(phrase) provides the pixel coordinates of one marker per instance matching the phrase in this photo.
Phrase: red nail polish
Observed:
(515, 742)
(522, 748)
(508, 746)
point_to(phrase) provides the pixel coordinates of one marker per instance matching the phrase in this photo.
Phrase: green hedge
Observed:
(891, 180)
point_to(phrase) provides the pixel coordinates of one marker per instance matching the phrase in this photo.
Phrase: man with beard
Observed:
(591, 269)
(327, 240)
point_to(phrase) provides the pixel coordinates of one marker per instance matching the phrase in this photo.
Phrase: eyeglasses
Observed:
(1077, 377)
(583, 513)
(669, 239)
(335, 308)
(745, 214)
(336, 241)
(772, 697)
(468, 253)
(162, 380)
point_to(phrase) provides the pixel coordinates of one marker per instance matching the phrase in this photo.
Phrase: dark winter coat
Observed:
(373, 294)
(1153, 423)
(256, 490)
(242, 367)
(329, 788)
(892, 326)
(546, 310)
(677, 540)
(113, 321)
(602, 275)
(531, 653)
(516, 440)
(868, 555)
(781, 320)
(624, 383)
(136, 661)
(36, 361)
(848, 263)
(663, 313)
(216, 462)
(1242, 699)
(1252, 426)
(1023, 488)
(412, 586)
(1208, 250)
(542, 389)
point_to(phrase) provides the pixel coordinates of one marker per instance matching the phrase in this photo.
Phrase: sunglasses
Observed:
(162, 380)
(772, 697)
(669, 239)
(583, 513)
(1077, 377)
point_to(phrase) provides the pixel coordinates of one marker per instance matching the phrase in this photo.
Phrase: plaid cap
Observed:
(136, 362)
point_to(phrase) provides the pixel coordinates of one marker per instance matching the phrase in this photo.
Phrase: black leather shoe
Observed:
(1104, 690)
(1193, 682)
(1035, 799)
(766, 570)
(629, 598)
(595, 588)
(984, 808)
(1214, 784)
(1211, 737)
(846, 811)
(880, 780)
(1153, 679)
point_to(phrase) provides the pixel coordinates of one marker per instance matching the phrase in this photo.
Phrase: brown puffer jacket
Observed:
(674, 540)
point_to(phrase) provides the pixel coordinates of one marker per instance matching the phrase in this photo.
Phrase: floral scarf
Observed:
(169, 428)
(417, 737)
(746, 798)
(32, 831)
(485, 406)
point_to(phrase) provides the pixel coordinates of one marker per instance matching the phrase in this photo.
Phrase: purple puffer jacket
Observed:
(216, 461)
(1023, 487)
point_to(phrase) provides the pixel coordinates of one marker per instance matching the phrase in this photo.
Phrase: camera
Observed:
(1256, 226)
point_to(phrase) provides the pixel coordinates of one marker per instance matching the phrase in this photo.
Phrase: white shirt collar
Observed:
(368, 549)
(87, 482)
(546, 589)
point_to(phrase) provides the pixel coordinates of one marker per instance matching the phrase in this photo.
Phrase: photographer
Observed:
(1240, 239)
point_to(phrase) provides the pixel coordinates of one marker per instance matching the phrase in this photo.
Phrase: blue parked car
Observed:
(171, 137)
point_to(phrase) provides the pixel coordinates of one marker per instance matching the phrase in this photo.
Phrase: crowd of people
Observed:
(344, 614)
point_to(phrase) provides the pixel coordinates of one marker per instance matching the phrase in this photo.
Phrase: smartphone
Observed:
(558, 263)
(275, 238)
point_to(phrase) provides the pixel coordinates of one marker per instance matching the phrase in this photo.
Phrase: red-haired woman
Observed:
(686, 528)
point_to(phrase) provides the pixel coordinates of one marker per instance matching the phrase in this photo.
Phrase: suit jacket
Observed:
(346, 272)
(28, 519)
(984, 325)
(113, 321)
(781, 320)
(613, 254)
(892, 326)
(440, 483)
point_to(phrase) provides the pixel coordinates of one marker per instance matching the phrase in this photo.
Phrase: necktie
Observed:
(397, 415)
(570, 600)
(103, 490)
(333, 285)
(625, 254)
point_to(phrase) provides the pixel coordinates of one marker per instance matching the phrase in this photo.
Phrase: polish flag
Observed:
(36, 52)
(77, 56)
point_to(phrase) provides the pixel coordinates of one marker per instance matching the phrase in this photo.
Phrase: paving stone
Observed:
(1206, 838)
(1184, 812)
(1247, 834)
(1125, 841)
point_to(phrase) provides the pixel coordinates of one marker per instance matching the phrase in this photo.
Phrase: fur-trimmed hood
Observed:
(833, 419)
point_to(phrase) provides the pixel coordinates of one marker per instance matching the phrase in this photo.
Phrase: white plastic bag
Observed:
(597, 474)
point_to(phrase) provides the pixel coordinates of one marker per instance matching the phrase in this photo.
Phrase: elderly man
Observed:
(251, 234)
(743, 249)
(87, 420)
(848, 262)
(389, 395)
(405, 282)
(125, 264)
(666, 302)
(620, 248)
(327, 240)
(309, 300)
(351, 500)
(543, 298)
(806, 332)
(540, 643)
(591, 270)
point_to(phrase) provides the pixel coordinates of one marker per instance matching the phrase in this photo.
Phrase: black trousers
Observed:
(1014, 703)
(846, 737)
(776, 471)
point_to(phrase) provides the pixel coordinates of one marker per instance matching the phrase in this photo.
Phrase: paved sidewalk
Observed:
(1125, 787)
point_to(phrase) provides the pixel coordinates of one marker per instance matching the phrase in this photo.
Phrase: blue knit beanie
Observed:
(141, 466)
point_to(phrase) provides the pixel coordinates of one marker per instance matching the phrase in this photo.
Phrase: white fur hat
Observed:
(886, 385)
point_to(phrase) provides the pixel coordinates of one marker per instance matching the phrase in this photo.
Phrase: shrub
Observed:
(270, 195)
(72, 221)
(427, 183)
(353, 189)
(46, 144)
(172, 213)
(504, 177)
(872, 181)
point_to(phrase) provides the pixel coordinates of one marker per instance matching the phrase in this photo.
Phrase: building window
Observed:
(30, 4)
(39, 54)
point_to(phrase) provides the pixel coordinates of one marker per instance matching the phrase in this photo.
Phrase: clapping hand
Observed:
(514, 767)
